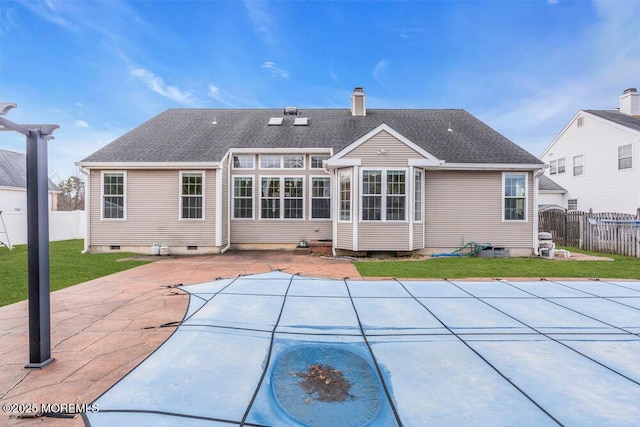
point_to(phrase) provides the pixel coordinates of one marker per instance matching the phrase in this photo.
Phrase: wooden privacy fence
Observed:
(609, 232)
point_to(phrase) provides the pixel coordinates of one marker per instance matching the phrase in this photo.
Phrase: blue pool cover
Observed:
(413, 353)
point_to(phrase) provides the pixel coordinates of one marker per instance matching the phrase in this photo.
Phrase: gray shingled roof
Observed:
(13, 170)
(188, 135)
(632, 122)
(547, 184)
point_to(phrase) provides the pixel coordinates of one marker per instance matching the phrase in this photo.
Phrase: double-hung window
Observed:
(625, 157)
(113, 195)
(578, 165)
(371, 195)
(293, 198)
(514, 196)
(320, 197)
(384, 195)
(192, 195)
(282, 198)
(242, 197)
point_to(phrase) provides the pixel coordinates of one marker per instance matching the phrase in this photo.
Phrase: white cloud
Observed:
(275, 71)
(552, 1)
(157, 85)
(81, 124)
(262, 20)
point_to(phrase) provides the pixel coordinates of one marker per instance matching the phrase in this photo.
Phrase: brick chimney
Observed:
(358, 106)
(630, 102)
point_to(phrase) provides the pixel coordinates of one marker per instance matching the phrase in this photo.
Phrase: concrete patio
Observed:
(441, 352)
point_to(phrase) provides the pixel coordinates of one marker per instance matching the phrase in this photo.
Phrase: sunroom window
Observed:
(384, 195)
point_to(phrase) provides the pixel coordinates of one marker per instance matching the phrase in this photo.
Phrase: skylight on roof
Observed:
(275, 121)
(301, 121)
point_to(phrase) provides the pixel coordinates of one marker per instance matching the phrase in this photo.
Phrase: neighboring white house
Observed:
(550, 194)
(595, 158)
(13, 183)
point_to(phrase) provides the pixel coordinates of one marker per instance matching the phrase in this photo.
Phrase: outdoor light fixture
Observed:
(37, 235)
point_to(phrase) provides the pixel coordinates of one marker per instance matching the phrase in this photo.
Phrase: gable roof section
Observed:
(547, 185)
(631, 122)
(13, 170)
(206, 135)
(385, 128)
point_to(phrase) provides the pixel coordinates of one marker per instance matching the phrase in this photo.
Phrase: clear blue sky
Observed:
(99, 69)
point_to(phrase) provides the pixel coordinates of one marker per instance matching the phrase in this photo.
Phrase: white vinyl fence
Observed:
(63, 225)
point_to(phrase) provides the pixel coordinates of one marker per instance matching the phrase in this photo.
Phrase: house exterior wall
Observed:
(255, 232)
(602, 187)
(466, 206)
(153, 215)
(548, 198)
(383, 151)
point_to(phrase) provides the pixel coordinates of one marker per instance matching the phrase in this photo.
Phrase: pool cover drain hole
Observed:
(326, 386)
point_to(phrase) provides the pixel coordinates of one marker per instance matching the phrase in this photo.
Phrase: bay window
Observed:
(384, 195)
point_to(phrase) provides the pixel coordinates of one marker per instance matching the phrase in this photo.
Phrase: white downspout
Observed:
(87, 208)
(228, 156)
(536, 177)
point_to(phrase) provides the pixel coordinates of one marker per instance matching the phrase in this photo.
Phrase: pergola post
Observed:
(37, 236)
(38, 249)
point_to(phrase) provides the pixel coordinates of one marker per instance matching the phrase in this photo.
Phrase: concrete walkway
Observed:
(104, 328)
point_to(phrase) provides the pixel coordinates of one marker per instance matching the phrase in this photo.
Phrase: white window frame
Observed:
(124, 195)
(233, 198)
(202, 196)
(244, 156)
(311, 197)
(324, 157)
(282, 197)
(578, 162)
(553, 167)
(348, 174)
(625, 156)
(526, 197)
(301, 156)
(572, 203)
(562, 165)
(281, 161)
(418, 196)
(384, 195)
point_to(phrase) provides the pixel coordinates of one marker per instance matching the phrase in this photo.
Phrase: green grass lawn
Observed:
(68, 266)
(463, 267)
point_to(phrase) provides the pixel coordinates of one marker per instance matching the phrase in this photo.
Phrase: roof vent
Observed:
(290, 111)
(275, 121)
(301, 121)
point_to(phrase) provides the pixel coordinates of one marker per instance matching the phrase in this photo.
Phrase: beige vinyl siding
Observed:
(153, 212)
(418, 233)
(383, 236)
(464, 206)
(396, 155)
(345, 236)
